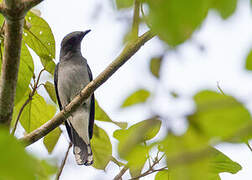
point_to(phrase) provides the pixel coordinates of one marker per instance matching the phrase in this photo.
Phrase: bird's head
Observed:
(72, 41)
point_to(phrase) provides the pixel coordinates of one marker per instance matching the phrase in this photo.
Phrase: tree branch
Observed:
(130, 49)
(12, 4)
(121, 173)
(10, 67)
(14, 12)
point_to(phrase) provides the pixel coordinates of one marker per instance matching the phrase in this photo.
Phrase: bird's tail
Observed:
(82, 151)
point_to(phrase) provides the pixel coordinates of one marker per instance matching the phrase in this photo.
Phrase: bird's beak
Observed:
(83, 34)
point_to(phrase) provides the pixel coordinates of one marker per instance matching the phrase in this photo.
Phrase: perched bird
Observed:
(71, 75)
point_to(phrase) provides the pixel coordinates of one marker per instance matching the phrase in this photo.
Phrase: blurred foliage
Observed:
(16, 163)
(216, 119)
(101, 115)
(135, 134)
(155, 65)
(101, 147)
(248, 65)
(120, 4)
(213, 108)
(51, 91)
(137, 97)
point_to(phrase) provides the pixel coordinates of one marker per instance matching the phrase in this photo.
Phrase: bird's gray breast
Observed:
(72, 77)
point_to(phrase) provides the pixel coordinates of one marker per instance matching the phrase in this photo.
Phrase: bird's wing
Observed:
(58, 99)
(92, 107)
(56, 85)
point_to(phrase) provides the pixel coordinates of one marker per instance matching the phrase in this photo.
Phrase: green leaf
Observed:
(188, 153)
(139, 96)
(13, 155)
(120, 4)
(45, 170)
(162, 175)
(51, 139)
(136, 160)
(136, 134)
(101, 147)
(48, 63)
(155, 64)
(51, 91)
(221, 163)
(249, 61)
(38, 36)
(175, 20)
(16, 163)
(101, 115)
(1, 18)
(26, 70)
(225, 7)
(218, 116)
(36, 113)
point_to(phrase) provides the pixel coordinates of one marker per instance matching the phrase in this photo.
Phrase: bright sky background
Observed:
(185, 71)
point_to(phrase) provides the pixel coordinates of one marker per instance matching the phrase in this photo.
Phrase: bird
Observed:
(71, 75)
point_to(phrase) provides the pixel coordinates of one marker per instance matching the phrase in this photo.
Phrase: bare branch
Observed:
(121, 173)
(218, 86)
(63, 162)
(19, 115)
(130, 49)
(34, 89)
(250, 148)
(149, 172)
(151, 168)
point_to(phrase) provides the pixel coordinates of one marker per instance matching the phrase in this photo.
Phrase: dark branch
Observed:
(125, 55)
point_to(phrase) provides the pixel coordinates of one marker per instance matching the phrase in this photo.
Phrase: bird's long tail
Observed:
(82, 151)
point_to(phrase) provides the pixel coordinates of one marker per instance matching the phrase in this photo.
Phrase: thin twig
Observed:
(151, 168)
(149, 172)
(19, 114)
(218, 86)
(135, 23)
(143, 15)
(34, 89)
(121, 173)
(63, 162)
(250, 148)
(147, 153)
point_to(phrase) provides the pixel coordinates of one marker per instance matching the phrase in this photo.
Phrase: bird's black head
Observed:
(72, 42)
